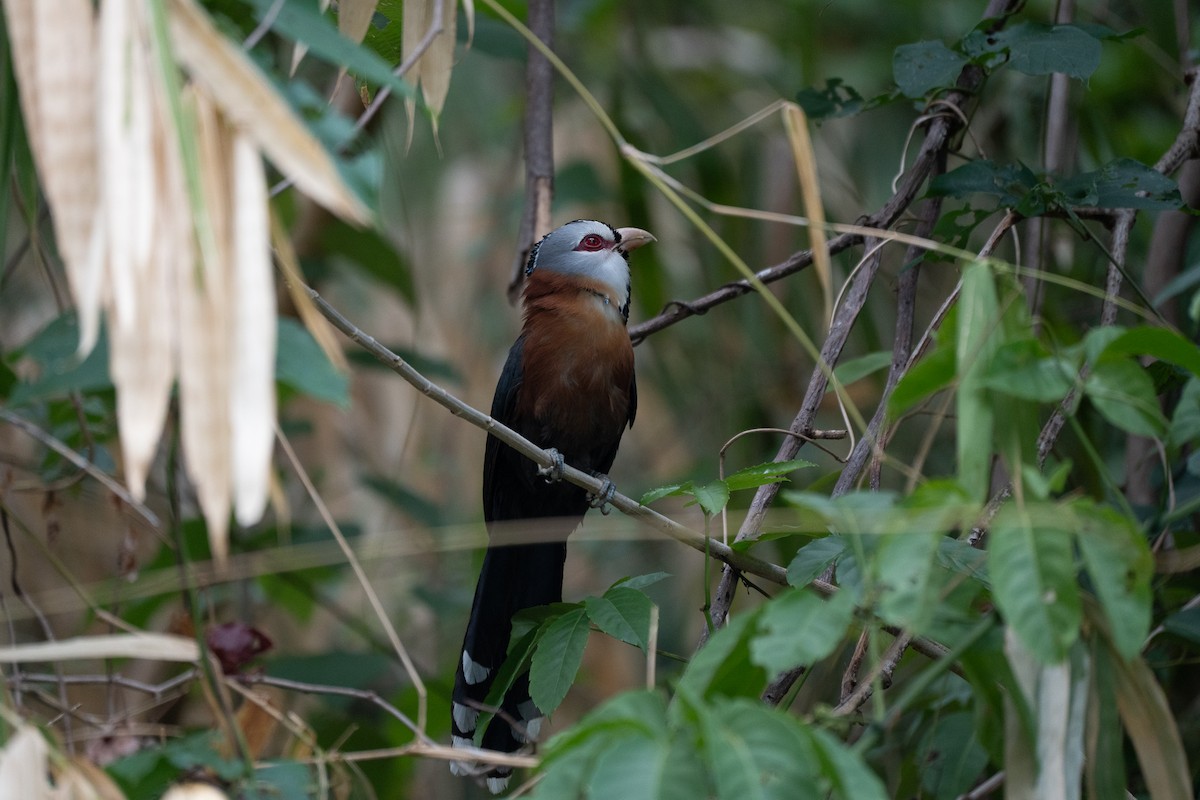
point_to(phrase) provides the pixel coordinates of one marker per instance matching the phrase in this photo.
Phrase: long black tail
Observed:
(513, 578)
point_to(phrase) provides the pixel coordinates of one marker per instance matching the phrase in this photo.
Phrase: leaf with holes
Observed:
(921, 67)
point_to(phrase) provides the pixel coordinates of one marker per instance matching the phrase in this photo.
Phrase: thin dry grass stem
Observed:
(652, 648)
(360, 574)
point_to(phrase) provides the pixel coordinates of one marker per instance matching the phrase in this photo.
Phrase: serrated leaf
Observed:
(712, 496)
(666, 491)
(921, 67)
(1121, 566)
(623, 613)
(1033, 580)
(814, 558)
(556, 659)
(799, 627)
(1124, 394)
(762, 474)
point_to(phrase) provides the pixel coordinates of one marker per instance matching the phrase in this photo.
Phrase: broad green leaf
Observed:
(302, 21)
(1033, 580)
(908, 581)
(1121, 567)
(1024, 369)
(1123, 183)
(977, 340)
(1160, 343)
(799, 627)
(762, 474)
(301, 365)
(1185, 424)
(927, 377)
(665, 491)
(622, 613)
(1185, 624)
(372, 253)
(723, 666)
(556, 659)
(55, 349)
(854, 369)
(1008, 183)
(712, 496)
(921, 67)
(958, 556)
(756, 751)
(637, 768)
(641, 581)
(813, 559)
(1041, 49)
(848, 775)
(1124, 395)
(951, 757)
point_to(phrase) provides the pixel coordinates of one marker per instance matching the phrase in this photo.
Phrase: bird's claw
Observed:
(554, 472)
(602, 498)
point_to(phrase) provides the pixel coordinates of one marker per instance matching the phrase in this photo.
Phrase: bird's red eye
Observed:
(591, 242)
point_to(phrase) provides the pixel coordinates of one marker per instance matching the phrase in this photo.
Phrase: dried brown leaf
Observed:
(251, 103)
(796, 125)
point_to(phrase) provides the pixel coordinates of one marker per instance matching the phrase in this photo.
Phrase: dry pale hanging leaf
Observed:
(53, 44)
(796, 125)
(24, 763)
(138, 152)
(438, 63)
(317, 325)
(354, 18)
(194, 791)
(252, 386)
(205, 338)
(249, 101)
(150, 646)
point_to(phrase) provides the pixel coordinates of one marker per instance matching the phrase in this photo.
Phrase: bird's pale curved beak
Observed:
(633, 238)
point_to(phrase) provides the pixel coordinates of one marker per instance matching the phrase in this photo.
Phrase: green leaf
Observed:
(622, 613)
(1024, 369)
(666, 491)
(1121, 567)
(1123, 183)
(1009, 183)
(1042, 50)
(302, 21)
(909, 590)
(977, 340)
(372, 253)
(1160, 343)
(55, 349)
(762, 474)
(835, 100)
(921, 67)
(723, 666)
(814, 558)
(301, 364)
(520, 649)
(930, 375)
(798, 627)
(638, 768)
(556, 659)
(755, 751)
(951, 757)
(1124, 394)
(1033, 579)
(1185, 624)
(849, 777)
(712, 497)
(857, 368)
(641, 581)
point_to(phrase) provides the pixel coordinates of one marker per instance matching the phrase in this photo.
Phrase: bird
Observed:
(568, 386)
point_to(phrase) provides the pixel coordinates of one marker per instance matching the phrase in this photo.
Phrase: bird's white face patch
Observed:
(474, 673)
(561, 252)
